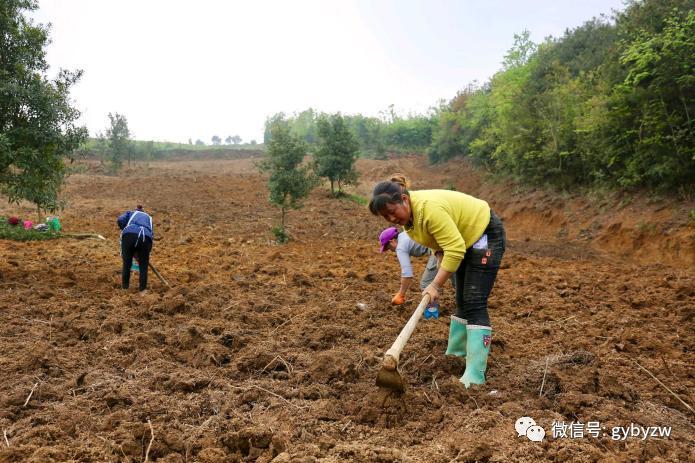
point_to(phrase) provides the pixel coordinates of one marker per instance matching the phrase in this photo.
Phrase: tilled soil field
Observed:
(265, 352)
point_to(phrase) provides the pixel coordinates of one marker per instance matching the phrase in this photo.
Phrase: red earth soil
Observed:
(265, 352)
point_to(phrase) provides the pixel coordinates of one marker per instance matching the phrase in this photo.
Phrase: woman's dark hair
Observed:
(388, 192)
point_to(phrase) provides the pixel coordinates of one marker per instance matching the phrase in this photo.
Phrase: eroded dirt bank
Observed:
(262, 352)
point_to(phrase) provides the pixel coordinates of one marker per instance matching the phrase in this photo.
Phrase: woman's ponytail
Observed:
(401, 180)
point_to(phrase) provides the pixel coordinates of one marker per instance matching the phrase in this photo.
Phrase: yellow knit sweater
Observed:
(447, 220)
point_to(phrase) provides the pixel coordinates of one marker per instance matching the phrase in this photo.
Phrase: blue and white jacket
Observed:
(137, 222)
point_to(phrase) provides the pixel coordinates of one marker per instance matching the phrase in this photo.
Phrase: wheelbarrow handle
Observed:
(393, 354)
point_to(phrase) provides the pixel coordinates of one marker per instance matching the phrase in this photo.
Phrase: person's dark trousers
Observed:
(129, 246)
(476, 275)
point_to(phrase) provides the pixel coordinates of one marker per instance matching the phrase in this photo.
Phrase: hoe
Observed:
(389, 377)
(161, 278)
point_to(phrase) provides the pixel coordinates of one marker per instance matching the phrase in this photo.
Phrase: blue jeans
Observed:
(476, 275)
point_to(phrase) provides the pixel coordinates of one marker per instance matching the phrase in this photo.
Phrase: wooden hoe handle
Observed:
(393, 354)
(161, 278)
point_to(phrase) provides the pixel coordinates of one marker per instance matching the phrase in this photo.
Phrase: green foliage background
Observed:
(37, 122)
(610, 103)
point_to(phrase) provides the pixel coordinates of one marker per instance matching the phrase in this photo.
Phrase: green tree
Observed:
(447, 135)
(609, 102)
(413, 132)
(270, 121)
(657, 100)
(118, 136)
(228, 140)
(510, 120)
(216, 140)
(146, 151)
(521, 51)
(236, 139)
(304, 125)
(100, 147)
(337, 152)
(37, 122)
(289, 181)
(569, 86)
(370, 134)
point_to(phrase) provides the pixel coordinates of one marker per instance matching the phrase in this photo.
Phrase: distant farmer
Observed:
(136, 240)
(404, 247)
(472, 239)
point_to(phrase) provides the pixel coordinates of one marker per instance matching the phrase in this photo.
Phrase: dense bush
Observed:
(38, 125)
(609, 102)
(374, 135)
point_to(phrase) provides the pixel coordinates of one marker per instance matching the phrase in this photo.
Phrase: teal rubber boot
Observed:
(478, 343)
(457, 337)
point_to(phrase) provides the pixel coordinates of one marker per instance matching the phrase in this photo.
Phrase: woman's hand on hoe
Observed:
(433, 290)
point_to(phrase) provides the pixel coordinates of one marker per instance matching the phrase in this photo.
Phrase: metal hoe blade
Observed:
(390, 379)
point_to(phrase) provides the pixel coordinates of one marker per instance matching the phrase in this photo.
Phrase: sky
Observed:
(180, 69)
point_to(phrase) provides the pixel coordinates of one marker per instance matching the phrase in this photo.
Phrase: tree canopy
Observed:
(118, 139)
(38, 130)
(608, 102)
(337, 152)
(289, 181)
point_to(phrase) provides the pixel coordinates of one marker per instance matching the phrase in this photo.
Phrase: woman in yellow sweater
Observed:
(470, 239)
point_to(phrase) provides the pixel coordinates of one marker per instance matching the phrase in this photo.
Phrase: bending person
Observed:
(400, 243)
(136, 238)
(472, 239)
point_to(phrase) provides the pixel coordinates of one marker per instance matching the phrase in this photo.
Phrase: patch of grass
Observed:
(18, 233)
(281, 236)
(361, 200)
